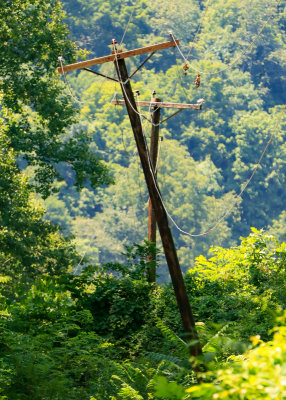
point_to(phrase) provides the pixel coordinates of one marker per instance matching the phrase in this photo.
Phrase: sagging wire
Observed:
(236, 60)
(137, 94)
(150, 166)
(60, 58)
(122, 133)
(110, 103)
(226, 213)
(149, 111)
(198, 29)
(128, 23)
(158, 155)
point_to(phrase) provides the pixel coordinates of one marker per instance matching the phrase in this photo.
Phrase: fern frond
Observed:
(175, 361)
(133, 371)
(179, 343)
(223, 329)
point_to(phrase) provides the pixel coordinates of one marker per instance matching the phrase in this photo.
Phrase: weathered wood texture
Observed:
(151, 272)
(111, 57)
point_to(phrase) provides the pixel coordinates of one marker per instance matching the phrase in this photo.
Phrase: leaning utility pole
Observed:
(154, 193)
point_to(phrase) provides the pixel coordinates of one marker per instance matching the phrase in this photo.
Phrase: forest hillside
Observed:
(80, 318)
(207, 157)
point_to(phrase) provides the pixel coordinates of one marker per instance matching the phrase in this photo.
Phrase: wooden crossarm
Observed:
(111, 57)
(161, 104)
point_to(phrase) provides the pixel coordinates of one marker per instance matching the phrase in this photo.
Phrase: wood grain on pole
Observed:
(111, 57)
(151, 273)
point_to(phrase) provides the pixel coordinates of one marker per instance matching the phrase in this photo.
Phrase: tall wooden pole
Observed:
(161, 216)
(151, 272)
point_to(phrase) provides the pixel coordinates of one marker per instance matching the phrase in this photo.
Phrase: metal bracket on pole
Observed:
(141, 65)
(98, 73)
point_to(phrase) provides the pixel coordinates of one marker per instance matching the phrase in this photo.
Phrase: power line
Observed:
(127, 98)
(149, 160)
(128, 23)
(122, 133)
(245, 185)
(251, 45)
(60, 58)
(226, 213)
(158, 156)
(198, 29)
(229, 210)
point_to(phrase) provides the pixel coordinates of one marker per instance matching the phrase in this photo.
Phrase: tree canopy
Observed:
(33, 36)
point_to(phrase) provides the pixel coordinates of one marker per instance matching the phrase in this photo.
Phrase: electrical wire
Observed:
(150, 113)
(244, 186)
(128, 23)
(124, 91)
(123, 36)
(60, 58)
(158, 155)
(182, 83)
(198, 29)
(139, 108)
(143, 116)
(150, 166)
(122, 133)
(226, 213)
(237, 59)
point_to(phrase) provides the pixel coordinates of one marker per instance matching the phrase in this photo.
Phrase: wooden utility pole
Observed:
(154, 193)
(151, 272)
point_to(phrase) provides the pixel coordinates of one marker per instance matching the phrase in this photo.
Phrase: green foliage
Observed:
(208, 155)
(120, 303)
(243, 284)
(29, 244)
(49, 349)
(106, 332)
(259, 374)
(179, 343)
(255, 129)
(99, 22)
(278, 227)
(75, 332)
(33, 36)
(127, 393)
(169, 390)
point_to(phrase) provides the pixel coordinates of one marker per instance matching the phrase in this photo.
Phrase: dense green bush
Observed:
(50, 350)
(259, 373)
(243, 285)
